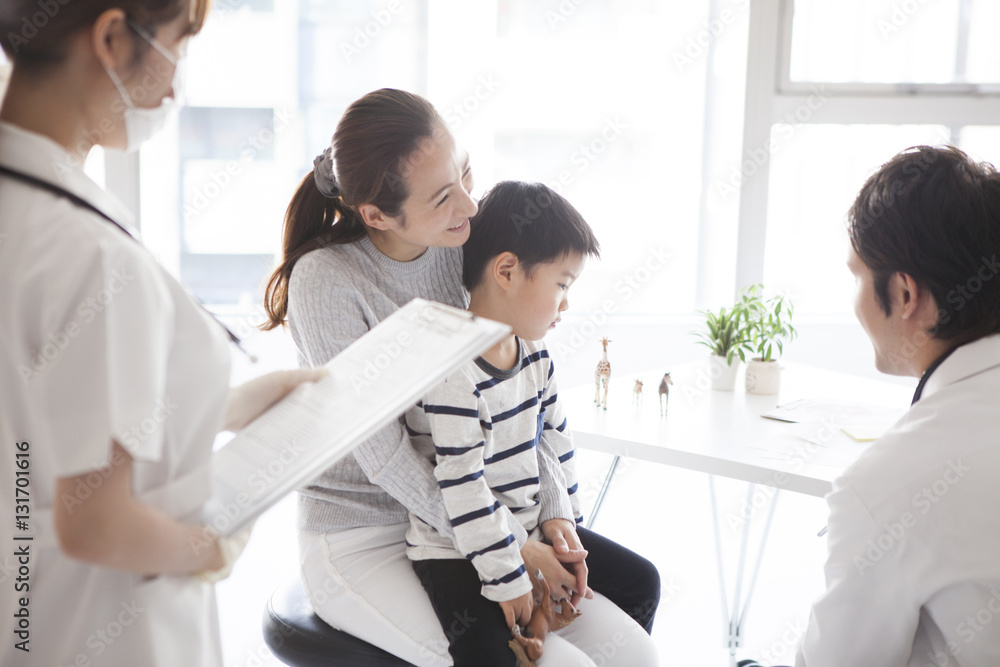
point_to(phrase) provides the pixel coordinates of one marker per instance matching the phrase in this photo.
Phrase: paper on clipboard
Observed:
(370, 383)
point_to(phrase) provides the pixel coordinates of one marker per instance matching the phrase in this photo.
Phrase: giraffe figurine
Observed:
(602, 376)
(664, 391)
(637, 393)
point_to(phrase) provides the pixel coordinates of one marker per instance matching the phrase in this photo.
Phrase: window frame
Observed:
(772, 95)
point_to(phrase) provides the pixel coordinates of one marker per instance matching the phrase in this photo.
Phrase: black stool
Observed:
(299, 638)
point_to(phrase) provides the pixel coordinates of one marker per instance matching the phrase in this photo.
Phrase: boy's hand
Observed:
(570, 552)
(518, 610)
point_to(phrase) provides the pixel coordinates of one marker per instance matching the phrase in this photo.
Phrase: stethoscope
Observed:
(83, 203)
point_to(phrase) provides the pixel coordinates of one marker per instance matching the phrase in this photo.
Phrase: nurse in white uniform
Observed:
(114, 380)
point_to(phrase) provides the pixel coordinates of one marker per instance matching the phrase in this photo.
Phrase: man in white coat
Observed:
(913, 572)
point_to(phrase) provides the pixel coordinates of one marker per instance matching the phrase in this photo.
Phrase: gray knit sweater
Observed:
(335, 295)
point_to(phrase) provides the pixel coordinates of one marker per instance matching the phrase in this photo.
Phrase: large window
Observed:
(608, 102)
(605, 102)
(838, 88)
(891, 41)
(727, 135)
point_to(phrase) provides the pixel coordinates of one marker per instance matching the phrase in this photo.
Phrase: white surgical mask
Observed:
(141, 123)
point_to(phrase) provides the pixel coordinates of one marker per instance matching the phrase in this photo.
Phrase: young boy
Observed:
(497, 432)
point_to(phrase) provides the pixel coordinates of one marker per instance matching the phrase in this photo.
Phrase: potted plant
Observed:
(769, 327)
(727, 335)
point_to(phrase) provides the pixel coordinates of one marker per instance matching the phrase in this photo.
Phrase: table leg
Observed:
(734, 619)
(603, 492)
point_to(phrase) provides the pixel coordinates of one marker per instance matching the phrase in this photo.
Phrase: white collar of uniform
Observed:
(967, 360)
(36, 155)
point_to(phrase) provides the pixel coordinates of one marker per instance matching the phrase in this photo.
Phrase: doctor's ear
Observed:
(502, 269)
(912, 298)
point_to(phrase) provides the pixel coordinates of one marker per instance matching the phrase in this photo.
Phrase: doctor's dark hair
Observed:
(934, 214)
(375, 147)
(34, 33)
(530, 220)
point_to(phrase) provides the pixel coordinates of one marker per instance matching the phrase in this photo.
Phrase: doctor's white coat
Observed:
(913, 573)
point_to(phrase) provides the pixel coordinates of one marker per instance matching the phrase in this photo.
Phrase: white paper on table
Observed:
(812, 442)
(370, 383)
(861, 422)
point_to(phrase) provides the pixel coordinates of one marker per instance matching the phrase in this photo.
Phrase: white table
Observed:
(723, 433)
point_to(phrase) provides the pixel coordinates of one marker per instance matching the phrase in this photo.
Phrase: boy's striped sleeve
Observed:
(481, 524)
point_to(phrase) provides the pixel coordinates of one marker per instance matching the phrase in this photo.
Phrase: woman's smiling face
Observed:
(436, 212)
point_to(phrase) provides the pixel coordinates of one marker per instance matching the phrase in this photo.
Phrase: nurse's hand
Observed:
(230, 548)
(248, 401)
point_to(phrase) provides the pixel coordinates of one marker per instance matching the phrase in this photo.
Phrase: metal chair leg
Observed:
(603, 492)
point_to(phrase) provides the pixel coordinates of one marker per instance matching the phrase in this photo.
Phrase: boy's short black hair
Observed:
(528, 219)
(934, 214)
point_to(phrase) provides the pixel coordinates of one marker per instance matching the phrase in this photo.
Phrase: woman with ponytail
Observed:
(379, 221)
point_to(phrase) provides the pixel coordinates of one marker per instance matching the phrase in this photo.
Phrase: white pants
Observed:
(360, 581)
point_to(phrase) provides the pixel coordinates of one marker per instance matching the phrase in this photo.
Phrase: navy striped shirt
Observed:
(504, 458)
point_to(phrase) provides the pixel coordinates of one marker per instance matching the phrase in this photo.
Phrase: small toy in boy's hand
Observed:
(567, 614)
(528, 646)
(524, 648)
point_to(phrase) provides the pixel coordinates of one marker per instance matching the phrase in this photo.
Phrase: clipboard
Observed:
(372, 382)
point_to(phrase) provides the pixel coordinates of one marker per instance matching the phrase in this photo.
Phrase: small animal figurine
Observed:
(528, 646)
(602, 376)
(637, 393)
(665, 393)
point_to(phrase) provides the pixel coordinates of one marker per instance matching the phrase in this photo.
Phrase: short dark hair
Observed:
(529, 220)
(934, 214)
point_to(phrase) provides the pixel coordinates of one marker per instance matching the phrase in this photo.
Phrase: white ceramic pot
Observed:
(763, 377)
(723, 375)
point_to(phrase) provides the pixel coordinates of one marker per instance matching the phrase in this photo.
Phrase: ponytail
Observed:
(312, 221)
